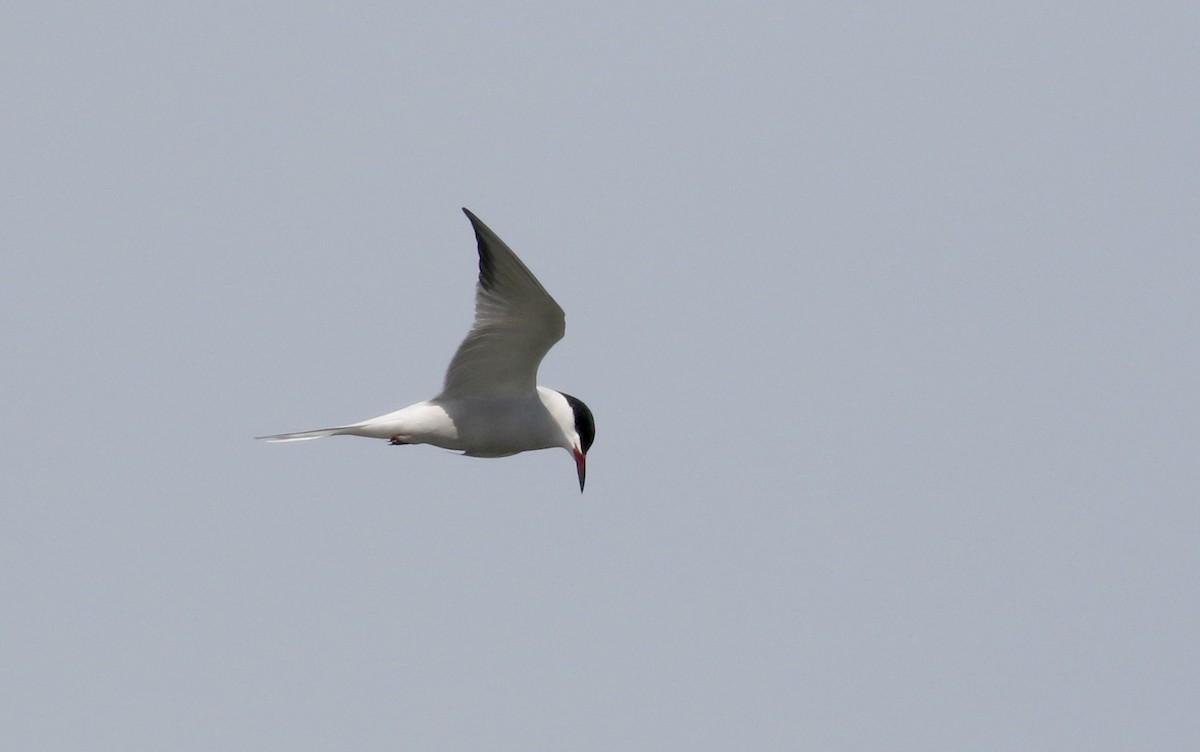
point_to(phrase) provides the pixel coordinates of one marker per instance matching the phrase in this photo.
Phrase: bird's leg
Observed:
(397, 441)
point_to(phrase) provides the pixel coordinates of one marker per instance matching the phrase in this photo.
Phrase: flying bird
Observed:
(491, 404)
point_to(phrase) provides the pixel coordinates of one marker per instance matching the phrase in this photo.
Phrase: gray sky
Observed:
(887, 314)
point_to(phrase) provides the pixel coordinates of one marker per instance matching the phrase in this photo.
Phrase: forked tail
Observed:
(305, 435)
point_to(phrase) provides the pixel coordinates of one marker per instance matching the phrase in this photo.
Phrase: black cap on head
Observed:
(585, 424)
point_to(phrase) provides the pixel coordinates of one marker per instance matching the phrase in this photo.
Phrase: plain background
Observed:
(887, 313)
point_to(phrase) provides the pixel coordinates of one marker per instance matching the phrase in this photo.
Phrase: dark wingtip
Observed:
(487, 265)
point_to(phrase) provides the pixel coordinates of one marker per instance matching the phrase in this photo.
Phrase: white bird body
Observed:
(484, 426)
(490, 404)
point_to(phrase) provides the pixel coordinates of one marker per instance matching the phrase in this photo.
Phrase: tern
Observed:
(491, 404)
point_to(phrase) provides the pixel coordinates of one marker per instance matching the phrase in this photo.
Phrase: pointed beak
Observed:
(580, 465)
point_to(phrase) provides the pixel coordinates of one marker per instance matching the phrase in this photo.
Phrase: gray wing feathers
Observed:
(516, 324)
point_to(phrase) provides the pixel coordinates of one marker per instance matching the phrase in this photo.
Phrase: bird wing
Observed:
(516, 324)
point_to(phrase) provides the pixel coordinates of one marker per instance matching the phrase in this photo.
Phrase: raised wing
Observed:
(516, 324)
